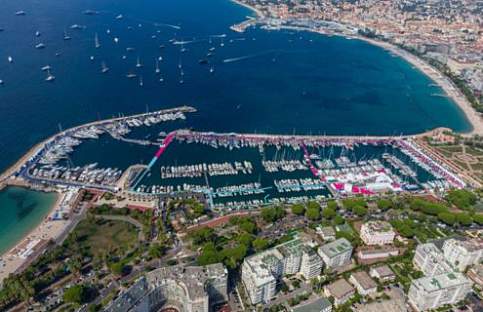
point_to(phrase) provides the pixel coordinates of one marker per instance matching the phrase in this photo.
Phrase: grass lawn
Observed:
(101, 236)
(451, 148)
(473, 151)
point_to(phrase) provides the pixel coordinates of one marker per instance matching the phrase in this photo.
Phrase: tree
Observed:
(203, 235)
(260, 244)
(462, 199)
(76, 294)
(313, 213)
(272, 214)
(247, 225)
(447, 218)
(118, 268)
(156, 250)
(360, 211)
(332, 204)
(209, 255)
(329, 213)
(464, 218)
(384, 204)
(298, 209)
(74, 264)
(338, 220)
(478, 218)
(245, 239)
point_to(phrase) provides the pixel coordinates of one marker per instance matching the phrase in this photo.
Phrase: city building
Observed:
(336, 253)
(340, 290)
(431, 292)
(186, 289)
(377, 233)
(430, 260)
(311, 264)
(260, 272)
(327, 233)
(369, 254)
(259, 275)
(383, 273)
(291, 252)
(319, 305)
(462, 253)
(364, 284)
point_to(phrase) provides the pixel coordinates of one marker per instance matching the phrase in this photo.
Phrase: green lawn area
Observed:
(473, 151)
(478, 166)
(101, 236)
(451, 148)
(445, 152)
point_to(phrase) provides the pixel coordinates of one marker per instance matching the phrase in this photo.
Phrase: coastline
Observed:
(34, 240)
(257, 12)
(474, 119)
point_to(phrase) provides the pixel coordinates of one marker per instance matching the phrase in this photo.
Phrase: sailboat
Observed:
(50, 77)
(104, 69)
(66, 36)
(157, 67)
(96, 41)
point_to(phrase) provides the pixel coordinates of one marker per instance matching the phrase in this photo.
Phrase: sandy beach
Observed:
(25, 251)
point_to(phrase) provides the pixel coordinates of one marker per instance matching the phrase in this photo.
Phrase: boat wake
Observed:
(246, 57)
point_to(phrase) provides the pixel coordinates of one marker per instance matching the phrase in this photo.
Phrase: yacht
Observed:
(91, 57)
(116, 39)
(131, 75)
(50, 77)
(141, 83)
(157, 70)
(138, 63)
(20, 13)
(66, 36)
(212, 69)
(40, 46)
(96, 41)
(161, 79)
(10, 59)
(37, 33)
(1, 82)
(119, 17)
(104, 69)
(46, 68)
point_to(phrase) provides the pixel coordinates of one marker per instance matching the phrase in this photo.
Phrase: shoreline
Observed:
(35, 240)
(459, 99)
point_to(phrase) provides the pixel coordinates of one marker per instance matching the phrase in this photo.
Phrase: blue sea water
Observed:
(285, 82)
(21, 211)
(264, 81)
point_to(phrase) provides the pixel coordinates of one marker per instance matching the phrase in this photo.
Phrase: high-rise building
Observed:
(261, 272)
(311, 264)
(336, 253)
(186, 288)
(430, 260)
(462, 253)
(432, 292)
